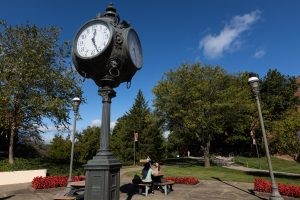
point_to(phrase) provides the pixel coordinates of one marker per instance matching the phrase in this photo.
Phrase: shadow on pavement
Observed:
(3, 198)
(130, 189)
(251, 192)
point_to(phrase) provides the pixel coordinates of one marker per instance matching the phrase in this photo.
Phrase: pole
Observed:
(72, 153)
(257, 156)
(133, 153)
(274, 194)
(103, 171)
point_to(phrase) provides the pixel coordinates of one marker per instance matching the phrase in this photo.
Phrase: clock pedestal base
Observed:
(102, 178)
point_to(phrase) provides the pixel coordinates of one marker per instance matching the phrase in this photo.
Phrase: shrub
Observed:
(263, 185)
(183, 180)
(40, 182)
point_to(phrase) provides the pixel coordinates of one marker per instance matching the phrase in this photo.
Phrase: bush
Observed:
(40, 182)
(262, 185)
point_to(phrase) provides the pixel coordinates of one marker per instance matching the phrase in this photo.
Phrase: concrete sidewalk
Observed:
(205, 190)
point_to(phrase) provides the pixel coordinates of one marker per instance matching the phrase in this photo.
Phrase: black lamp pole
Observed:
(254, 83)
(76, 102)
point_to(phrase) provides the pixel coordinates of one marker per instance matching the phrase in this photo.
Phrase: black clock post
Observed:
(109, 52)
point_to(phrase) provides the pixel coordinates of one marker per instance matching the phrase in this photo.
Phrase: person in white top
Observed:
(147, 173)
(147, 176)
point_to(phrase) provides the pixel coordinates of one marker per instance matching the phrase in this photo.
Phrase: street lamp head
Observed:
(253, 81)
(76, 102)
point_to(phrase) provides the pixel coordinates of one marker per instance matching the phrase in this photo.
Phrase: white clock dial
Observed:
(93, 40)
(135, 49)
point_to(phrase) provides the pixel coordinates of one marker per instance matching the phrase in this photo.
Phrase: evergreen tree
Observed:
(138, 119)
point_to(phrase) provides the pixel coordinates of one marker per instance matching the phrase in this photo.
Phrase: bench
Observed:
(145, 186)
(167, 186)
(77, 189)
(63, 196)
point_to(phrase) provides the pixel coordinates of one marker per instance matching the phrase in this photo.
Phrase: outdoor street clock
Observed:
(93, 39)
(107, 51)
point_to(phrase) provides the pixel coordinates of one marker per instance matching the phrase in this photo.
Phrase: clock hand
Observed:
(93, 40)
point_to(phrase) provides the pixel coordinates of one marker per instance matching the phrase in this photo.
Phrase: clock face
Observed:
(93, 40)
(135, 48)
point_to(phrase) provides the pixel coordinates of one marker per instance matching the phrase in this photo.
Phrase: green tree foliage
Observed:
(140, 119)
(36, 81)
(60, 149)
(277, 94)
(88, 143)
(200, 103)
(278, 107)
(284, 134)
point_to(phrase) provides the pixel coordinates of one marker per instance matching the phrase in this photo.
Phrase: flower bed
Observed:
(183, 180)
(262, 185)
(40, 182)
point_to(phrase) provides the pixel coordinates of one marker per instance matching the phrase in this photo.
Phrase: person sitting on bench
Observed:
(147, 175)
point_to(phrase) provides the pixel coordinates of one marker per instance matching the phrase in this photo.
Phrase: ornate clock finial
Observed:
(111, 12)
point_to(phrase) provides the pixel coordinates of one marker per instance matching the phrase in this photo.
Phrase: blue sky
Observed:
(249, 35)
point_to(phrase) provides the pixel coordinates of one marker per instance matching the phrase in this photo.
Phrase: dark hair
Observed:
(145, 170)
(147, 166)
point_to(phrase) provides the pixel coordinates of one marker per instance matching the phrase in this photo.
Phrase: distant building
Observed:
(298, 91)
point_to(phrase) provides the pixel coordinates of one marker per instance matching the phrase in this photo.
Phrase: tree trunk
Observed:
(206, 154)
(11, 144)
(206, 149)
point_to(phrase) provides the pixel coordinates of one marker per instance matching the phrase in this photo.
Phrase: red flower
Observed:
(263, 185)
(52, 181)
(183, 180)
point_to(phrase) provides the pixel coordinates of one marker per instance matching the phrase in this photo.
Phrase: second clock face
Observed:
(93, 40)
(135, 49)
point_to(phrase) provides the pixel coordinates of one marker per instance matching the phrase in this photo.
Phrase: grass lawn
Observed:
(220, 173)
(262, 163)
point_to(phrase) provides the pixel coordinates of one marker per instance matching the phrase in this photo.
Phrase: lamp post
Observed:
(254, 83)
(75, 102)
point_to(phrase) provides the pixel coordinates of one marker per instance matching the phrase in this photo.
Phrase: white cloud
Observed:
(259, 53)
(214, 46)
(97, 123)
(166, 134)
(47, 129)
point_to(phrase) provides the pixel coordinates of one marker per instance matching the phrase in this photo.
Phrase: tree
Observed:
(198, 103)
(277, 94)
(88, 143)
(140, 119)
(36, 81)
(284, 134)
(60, 149)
